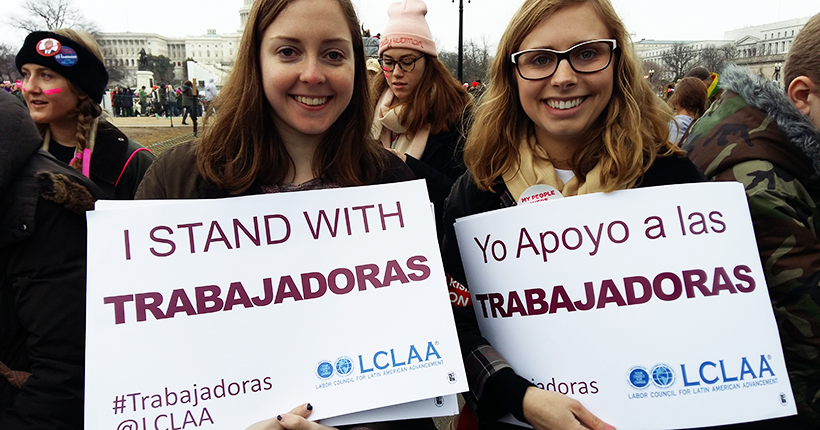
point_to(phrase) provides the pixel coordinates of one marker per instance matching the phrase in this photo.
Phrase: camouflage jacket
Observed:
(754, 135)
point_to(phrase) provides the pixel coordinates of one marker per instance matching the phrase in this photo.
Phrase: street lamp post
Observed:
(460, 39)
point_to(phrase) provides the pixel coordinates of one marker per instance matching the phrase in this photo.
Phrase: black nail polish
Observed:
(309, 407)
(279, 417)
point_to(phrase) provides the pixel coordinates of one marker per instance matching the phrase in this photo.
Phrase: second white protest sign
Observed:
(648, 305)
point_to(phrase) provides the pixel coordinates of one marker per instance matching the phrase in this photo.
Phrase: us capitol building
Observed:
(213, 53)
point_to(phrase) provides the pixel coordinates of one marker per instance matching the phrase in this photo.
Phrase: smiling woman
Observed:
(568, 113)
(294, 115)
(308, 81)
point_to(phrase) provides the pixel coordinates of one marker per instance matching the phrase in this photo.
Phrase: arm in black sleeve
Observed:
(46, 274)
(494, 386)
(440, 165)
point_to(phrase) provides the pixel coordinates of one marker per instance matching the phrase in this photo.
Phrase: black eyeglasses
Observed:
(586, 57)
(406, 64)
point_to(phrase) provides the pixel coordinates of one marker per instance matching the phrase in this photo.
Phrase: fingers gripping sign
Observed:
(548, 410)
(293, 420)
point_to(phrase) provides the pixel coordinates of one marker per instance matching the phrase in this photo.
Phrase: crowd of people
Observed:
(303, 109)
(161, 100)
(14, 88)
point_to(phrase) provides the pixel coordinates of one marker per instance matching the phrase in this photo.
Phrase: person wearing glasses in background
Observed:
(420, 108)
(568, 107)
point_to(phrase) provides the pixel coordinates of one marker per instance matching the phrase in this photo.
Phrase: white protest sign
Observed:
(438, 406)
(649, 306)
(220, 313)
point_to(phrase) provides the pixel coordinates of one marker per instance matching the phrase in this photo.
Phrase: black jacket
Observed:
(42, 277)
(440, 165)
(176, 175)
(118, 163)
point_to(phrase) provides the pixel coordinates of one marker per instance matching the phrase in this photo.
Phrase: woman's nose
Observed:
(313, 73)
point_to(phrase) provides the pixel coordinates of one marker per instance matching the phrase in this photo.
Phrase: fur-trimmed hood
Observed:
(770, 98)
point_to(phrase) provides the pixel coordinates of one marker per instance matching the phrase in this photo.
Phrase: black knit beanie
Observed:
(66, 57)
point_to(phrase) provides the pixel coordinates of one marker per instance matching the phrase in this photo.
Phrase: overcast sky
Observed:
(646, 19)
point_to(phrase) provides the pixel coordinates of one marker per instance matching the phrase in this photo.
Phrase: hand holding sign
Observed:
(550, 410)
(234, 295)
(668, 281)
(294, 420)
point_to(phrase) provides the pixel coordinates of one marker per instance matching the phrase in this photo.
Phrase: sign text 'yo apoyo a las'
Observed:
(649, 306)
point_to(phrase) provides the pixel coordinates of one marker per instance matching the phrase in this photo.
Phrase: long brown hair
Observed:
(241, 144)
(631, 131)
(439, 99)
(690, 94)
(87, 110)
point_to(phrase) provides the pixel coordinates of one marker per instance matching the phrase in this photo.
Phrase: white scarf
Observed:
(536, 168)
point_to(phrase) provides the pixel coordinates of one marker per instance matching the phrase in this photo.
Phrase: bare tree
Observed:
(729, 52)
(476, 60)
(117, 74)
(480, 59)
(50, 15)
(655, 73)
(710, 57)
(450, 60)
(8, 71)
(679, 59)
(714, 58)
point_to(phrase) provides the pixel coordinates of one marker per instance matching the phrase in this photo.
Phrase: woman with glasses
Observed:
(420, 107)
(568, 108)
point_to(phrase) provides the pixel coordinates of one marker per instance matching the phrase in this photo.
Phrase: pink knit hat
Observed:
(407, 28)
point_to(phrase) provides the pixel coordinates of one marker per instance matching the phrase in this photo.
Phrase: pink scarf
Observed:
(392, 134)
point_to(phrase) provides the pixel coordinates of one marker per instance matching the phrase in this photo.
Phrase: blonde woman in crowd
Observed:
(568, 107)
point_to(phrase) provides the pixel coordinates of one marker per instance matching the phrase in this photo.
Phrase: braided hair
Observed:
(88, 111)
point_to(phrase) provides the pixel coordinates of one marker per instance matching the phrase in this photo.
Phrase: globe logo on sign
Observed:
(344, 366)
(663, 376)
(324, 370)
(638, 378)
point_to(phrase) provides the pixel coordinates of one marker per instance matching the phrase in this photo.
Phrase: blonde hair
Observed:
(88, 111)
(625, 139)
